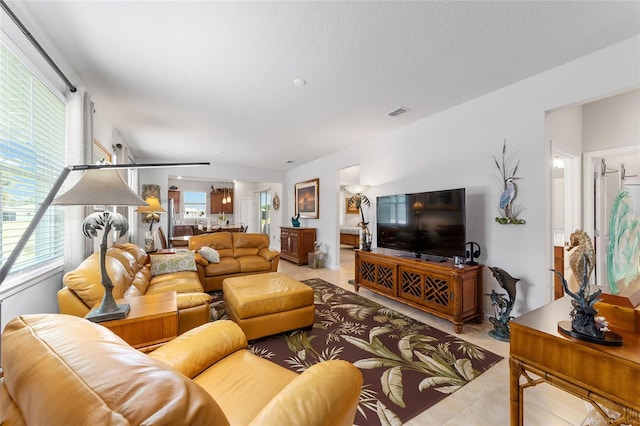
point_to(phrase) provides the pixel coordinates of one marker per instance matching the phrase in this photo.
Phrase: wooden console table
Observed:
(152, 321)
(439, 288)
(605, 375)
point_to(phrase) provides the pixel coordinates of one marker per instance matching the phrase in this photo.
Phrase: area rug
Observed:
(407, 366)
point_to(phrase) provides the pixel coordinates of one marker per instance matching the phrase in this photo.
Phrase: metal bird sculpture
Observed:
(508, 194)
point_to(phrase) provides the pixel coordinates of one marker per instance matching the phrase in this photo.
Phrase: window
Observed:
(32, 152)
(392, 210)
(195, 204)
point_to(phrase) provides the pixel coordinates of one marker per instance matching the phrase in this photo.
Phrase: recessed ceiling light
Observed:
(299, 82)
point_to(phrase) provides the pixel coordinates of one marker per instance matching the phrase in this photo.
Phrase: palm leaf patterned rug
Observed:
(407, 366)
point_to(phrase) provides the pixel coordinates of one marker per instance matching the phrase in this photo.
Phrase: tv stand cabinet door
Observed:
(428, 288)
(376, 274)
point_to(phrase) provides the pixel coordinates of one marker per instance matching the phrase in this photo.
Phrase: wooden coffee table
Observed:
(152, 321)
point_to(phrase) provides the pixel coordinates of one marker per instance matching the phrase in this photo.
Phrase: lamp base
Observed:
(120, 313)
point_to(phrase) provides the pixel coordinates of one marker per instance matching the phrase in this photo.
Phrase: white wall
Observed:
(455, 148)
(612, 122)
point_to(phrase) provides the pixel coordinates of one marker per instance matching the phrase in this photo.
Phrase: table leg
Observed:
(515, 393)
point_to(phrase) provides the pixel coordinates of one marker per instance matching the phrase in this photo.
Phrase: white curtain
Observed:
(79, 146)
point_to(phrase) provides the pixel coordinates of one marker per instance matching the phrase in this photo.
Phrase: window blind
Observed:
(32, 152)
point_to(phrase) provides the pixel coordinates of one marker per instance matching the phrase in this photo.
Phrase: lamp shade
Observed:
(153, 206)
(357, 189)
(100, 187)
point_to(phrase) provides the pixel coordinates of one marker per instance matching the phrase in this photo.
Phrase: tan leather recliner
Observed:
(61, 370)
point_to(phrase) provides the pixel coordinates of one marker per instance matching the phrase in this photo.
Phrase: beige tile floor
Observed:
(484, 401)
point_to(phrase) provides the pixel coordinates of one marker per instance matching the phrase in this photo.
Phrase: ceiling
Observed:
(215, 79)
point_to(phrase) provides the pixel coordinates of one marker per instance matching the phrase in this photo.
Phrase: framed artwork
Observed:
(307, 196)
(351, 209)
(149, 190)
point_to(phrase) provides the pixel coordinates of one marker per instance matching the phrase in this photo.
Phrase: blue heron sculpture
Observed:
(509, 193)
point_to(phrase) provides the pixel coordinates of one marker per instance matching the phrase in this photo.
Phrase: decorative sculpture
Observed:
(584, 322)
(295, 221)
(502, 306)
(357, 200)
(623, 252)
(581, 242)
(509, 211)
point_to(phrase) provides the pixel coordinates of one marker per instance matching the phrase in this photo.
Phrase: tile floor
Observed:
(484, 401)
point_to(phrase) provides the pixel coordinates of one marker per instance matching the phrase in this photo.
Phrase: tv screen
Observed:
(430, 223)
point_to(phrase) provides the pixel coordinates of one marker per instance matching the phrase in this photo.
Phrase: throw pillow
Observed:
(210, 254)
(169, 263)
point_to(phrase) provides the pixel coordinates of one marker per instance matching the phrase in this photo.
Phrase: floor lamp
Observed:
(96, 187)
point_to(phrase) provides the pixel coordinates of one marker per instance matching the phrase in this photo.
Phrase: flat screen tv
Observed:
(425, 223)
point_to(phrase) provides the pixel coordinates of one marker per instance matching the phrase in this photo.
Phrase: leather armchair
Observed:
(205, 376)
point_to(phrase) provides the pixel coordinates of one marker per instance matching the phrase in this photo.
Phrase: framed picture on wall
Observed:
(351, 208)
(307, 196)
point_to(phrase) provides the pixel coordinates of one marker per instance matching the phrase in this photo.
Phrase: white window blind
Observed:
(32, 152)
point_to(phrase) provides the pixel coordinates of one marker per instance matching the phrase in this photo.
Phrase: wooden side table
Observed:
(601, 375)
(152, 321)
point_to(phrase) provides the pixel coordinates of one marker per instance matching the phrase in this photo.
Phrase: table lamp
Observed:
(152, 210)
(96, 187)
(103, 187)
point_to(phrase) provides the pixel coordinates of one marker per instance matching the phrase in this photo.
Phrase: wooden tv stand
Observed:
(439, 288)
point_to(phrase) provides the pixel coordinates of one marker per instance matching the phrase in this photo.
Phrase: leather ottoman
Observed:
(267, 304)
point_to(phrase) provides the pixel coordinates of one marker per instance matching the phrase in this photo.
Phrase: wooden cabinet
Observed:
(296, 243)
(438, 288)
(175, 196)
(216, 205)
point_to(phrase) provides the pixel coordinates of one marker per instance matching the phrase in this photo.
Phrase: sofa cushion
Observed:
(180, 282)
(210, 254)
(221, 241)
(227, 265)
(136, 251)
(126, 259)
(170, 263)
(104, 380)
(248, 244)
(85, 280)
(141, 280)
(253, 264)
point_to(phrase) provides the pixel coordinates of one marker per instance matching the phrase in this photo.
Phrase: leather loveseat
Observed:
(131, 276)
(64, 370)
(240, 254)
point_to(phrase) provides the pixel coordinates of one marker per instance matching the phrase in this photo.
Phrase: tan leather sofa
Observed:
(64, 370)
(131, 276)
(240, 254)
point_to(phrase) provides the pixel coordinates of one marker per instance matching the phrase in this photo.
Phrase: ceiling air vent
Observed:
(396, 112)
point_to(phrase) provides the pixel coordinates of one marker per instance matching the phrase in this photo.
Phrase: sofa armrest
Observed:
(194, 351)
(268, 254)
(189, 300)
(200, 260)
(326, 393)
